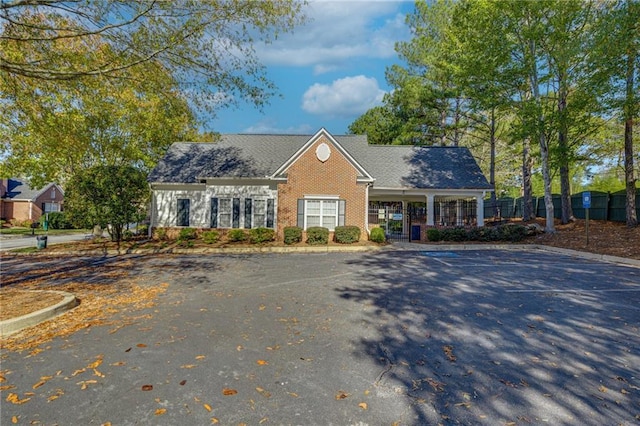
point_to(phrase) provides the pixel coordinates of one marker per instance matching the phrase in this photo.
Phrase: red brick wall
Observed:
(310, 176)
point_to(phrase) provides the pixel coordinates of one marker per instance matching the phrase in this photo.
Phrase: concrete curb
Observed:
(14, 325)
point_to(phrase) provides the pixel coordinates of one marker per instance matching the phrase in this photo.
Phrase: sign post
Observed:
(586, 203)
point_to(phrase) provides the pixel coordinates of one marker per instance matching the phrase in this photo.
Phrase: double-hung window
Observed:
(327, 213)
(184, 205)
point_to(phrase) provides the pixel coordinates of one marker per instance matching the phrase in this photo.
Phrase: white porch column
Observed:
(480, 210)
(431, 210)
(459, 212)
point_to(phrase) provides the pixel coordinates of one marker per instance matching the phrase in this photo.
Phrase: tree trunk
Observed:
(632, 218)
(492, 161)
(563, 149)
(527, 191)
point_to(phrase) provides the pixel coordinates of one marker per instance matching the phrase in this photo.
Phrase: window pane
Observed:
(329, 222)
(313, 221)
(313, 207)
(224, 215)
(259, 213)
(329, 208)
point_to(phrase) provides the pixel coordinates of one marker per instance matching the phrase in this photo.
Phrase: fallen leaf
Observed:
(75, 373)
(96, 363)
(624, 391)
(201, 357)
(40, 383)
(14, 420)
(263, 392)
(188, 366)
(147, 387)
(602, 388)
(239, 348)
(160, 411)
(207, 407)
(363, 405)
(448, 351)
(85, 383)
(15, 399)
(97, 373)
(292, 394)
(227, 391)
(118, 364)
(128, 350)
(262, 362)
(141, 345)
(7, 387)
(341, 395)
(214, 421)
(182, 383)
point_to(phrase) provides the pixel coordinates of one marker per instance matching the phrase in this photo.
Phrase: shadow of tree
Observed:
(506, 340)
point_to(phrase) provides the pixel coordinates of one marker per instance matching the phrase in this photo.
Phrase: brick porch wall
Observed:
(310, 176)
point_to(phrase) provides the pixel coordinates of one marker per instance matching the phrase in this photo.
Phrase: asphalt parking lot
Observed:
(384, 338)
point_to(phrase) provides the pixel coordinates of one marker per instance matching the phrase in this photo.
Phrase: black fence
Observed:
(604, 206)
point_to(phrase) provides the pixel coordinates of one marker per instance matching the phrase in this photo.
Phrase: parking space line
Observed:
(575, 290)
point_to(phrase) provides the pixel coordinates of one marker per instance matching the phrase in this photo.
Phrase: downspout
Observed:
(152, 216)
(366, 209)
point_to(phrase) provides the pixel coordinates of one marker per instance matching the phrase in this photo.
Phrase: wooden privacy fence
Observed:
(604, 206)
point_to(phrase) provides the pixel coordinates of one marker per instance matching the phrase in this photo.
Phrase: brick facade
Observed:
(309, 176)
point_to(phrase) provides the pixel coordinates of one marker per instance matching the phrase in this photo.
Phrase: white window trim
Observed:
(321, 197)
(326, 198)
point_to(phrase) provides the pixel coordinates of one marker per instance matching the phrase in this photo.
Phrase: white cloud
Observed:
(345, 97)
(268, 126)
(339, 32)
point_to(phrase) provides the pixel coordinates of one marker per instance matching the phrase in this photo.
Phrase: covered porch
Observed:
(406, 215)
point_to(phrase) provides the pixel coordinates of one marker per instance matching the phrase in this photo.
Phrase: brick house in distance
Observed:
(275, 181)
(19, 202)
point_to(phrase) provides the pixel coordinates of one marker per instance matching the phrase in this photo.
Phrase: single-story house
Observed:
(275, 181)
(20, 203)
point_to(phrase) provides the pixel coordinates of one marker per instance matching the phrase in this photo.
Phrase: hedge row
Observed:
(511, 232)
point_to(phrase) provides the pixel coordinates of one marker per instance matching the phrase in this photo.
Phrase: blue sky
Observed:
(328, 72)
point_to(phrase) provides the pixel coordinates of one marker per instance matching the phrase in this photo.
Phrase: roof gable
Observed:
(362, 173)
(20, 190)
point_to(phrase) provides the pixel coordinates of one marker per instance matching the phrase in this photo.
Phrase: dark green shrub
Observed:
(434, 234)
(483, 234)
(292, 234)
(142, 230)
(127, 235)
(454, 234)
(161, 233)
(377, 235)
(512, 233)
(57, 220)
(261, 235)
(187, 234)
(346, 234)
(237, 235)
(317, 235)
(210, 237)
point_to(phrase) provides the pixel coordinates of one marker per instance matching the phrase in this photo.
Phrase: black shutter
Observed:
(248, 202)
(342, 204)
(214, 213)
(270, 213)
(301, 213)
(183, 212)
(236, 213)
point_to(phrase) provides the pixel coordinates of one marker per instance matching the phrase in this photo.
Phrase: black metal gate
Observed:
(400, 225)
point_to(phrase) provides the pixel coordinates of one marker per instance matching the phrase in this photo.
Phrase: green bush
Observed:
(292, 235)
(237, 235)
(57, 220)
(317, 235)
(210, 237)
(187, 234)
(454, 234)
(127, 235)
(261, 235)
(142, 230)
(161, 233)
(512, 233)
(346, 234)
(434, 234)
(377, 235)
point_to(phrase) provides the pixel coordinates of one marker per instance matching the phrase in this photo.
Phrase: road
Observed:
(11, 242)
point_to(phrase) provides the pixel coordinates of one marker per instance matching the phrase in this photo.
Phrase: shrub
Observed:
(142, 230)
(237, 235)
(261, 235)
(317, 235)
(127, 235)
(434, 234)
(57, 220)
(161, 233)
(346, 234)
(210, 237)
(454, 234)
(187, 234)
(26, 223)
(377, 235)
(292, 234)
(512, 233)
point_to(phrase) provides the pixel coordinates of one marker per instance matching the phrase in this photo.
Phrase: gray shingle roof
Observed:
(19, 189)
(258, 156)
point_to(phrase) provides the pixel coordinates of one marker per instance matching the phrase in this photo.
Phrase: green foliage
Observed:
(434, 234)
(292, 235)
(237, 235)
(317, 235)
(346, 234)
(377, 235)
(127, 235)
(161, 234)
(143, 230)
(512, 233)
(210, 237)
(187, 234)
(454, 234)
(57, 220)
(107, 195)
(261, 235)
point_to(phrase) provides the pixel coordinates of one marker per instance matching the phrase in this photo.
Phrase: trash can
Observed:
(41, 241)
